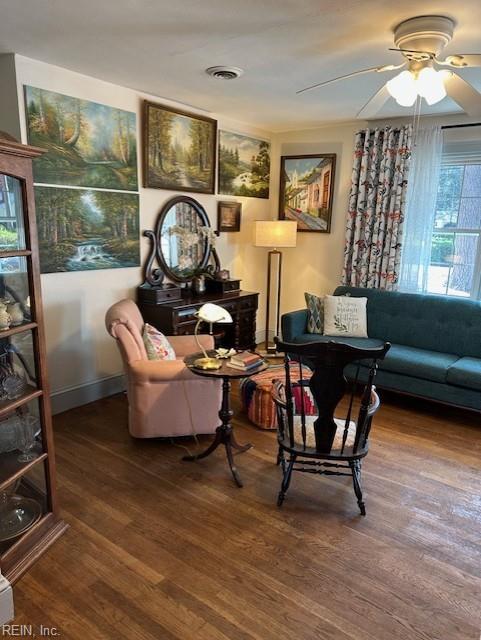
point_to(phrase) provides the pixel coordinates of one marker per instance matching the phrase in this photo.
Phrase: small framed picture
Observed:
(229, 216)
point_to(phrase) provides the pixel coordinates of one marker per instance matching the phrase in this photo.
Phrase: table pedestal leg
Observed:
(224, 435)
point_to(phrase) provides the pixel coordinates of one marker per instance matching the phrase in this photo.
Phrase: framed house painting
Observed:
(228, 216)
(179, 149)
(306, 191)
(244, 165)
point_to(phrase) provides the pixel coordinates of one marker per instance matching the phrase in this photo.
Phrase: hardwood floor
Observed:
(162, 549)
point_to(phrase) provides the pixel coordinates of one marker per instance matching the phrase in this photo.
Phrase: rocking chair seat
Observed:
(311, 438)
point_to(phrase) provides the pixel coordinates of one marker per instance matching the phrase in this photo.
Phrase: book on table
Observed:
(245, 361)
(245, 358)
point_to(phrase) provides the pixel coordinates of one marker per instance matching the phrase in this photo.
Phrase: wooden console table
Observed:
(177, 317)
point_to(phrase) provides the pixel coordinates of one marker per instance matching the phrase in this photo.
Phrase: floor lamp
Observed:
(274, 234)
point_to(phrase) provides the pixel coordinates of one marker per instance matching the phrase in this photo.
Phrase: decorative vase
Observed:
(16, 314)
(198, 284)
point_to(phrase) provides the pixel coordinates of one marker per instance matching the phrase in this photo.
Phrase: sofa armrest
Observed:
(186, 345)
(293, 324)
(157, 371)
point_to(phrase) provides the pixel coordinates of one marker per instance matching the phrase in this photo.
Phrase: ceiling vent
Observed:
(224, 73)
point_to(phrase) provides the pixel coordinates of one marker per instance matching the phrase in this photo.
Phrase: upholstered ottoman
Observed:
(256, 393)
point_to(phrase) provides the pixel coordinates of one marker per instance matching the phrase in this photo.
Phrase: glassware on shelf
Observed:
(13, 381)
(9, 430)
(26, 440)
(17, 513)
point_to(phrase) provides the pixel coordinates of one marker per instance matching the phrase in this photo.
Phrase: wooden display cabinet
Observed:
(24, 391)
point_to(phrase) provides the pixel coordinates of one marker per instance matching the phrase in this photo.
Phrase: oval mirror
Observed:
(183, 238)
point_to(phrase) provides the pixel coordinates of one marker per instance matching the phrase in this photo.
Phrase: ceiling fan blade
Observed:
(464, 94)
(386, 67)
(374, 104)
(461, 60)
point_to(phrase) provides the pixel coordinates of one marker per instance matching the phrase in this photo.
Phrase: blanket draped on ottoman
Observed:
(256, 394)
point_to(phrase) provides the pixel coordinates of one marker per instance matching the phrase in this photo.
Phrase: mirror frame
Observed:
(201, 212)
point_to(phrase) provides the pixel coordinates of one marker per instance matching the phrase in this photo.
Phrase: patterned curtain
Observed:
(376, 208)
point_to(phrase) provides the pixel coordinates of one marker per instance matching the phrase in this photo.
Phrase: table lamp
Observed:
(209, 313)
(274, 234)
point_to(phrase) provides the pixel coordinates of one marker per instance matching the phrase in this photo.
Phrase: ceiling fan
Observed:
(420, 40)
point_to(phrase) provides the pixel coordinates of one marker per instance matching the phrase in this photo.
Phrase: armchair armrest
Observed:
(156, 371)
(185, 345)
(293, 324)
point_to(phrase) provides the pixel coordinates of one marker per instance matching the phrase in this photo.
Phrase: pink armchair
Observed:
(165, 397)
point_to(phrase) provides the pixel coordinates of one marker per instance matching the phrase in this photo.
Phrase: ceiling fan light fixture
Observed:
(403, 88)
(430, 85)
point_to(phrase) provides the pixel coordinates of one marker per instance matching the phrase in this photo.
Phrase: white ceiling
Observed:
(163, 46)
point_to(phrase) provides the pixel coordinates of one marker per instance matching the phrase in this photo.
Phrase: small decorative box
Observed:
(157, 295)
(222, 286)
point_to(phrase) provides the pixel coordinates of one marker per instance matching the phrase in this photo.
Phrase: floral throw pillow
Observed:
(156, 344)
(345, 316)
(315, 313)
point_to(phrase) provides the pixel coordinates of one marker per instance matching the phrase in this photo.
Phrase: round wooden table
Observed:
(224, 433)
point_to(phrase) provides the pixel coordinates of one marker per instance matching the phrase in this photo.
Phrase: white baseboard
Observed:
(71, 397)
(6, 601)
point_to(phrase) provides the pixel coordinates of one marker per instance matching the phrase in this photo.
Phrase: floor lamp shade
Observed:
(274, 234)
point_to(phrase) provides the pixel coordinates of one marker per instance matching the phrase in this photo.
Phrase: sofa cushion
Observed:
(466, 372)
(345, 316)
(418, 363)
(426, 321)
(365, 343)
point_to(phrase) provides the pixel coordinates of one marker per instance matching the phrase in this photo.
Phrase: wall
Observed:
(9, 121)
(315, 264)
(83, 360)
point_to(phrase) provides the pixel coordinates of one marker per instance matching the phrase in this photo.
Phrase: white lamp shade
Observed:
(275, 233)
(213, 313)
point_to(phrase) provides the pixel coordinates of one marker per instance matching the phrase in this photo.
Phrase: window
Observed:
(325, 189)
(455, 265)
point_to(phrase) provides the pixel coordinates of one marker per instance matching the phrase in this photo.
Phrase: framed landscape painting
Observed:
(83, 229)
(179, 149)
(88, 144)
(244, 165)
(306, 191)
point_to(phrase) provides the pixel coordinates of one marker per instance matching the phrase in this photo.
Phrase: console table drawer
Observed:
(178, 317)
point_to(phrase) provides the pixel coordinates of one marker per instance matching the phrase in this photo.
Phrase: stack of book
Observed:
(246, 361)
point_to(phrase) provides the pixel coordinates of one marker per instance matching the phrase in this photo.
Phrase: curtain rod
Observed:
(461, 126)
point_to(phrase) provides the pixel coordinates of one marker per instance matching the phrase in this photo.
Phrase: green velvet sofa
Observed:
(436, 343)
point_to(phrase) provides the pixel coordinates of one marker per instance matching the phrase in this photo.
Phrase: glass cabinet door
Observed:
(12, 227)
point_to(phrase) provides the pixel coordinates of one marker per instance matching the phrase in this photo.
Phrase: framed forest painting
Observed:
(244, 165)
(88, 144)
(306, 191)
(179, 149)
(84, 229)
